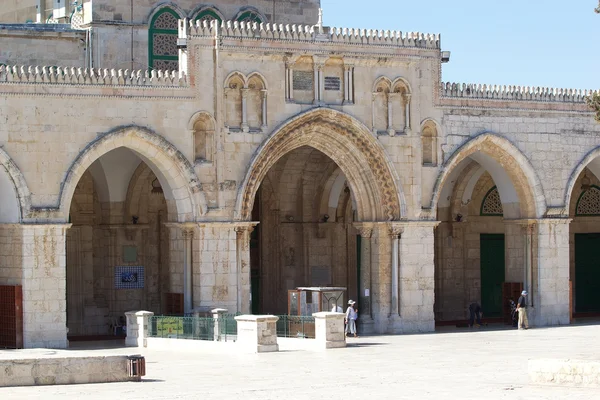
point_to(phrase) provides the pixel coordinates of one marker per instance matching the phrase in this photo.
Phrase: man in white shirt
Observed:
(351, 316)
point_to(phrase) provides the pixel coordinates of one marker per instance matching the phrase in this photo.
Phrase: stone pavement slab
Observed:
(479, 364)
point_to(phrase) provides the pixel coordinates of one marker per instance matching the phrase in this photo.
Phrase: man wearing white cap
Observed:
(351, 319)
(522, 310)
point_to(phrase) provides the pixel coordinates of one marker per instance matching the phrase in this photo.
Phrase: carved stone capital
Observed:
(264, 93)
(365, 232)
(188, 233)
(395, 231)
(245, 92)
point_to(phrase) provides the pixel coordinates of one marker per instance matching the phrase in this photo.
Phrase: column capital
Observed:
(245, 92)
(264, 93)
(240, 230)
(395, 230)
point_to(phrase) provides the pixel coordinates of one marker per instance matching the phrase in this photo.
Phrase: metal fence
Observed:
(161, 326)
(296, 327)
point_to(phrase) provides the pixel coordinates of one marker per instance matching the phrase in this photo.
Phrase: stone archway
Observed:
(515, 165)
(14, 184)
(173, 170)
(346, 141)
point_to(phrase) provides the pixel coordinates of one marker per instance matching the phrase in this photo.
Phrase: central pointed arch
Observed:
(346, 141)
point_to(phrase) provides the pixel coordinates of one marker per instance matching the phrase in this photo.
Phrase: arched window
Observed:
(207, 15)
(163, 53)
(589, 202)
(491, 205)
(250, 16)
(429, 143)
(203, 138)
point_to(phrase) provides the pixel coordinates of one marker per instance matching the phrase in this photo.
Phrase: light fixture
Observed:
(325, 217)
(585, 182)
(156, 188)
(458, 217)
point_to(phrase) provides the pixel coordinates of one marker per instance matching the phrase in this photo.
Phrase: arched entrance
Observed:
(119, 193)
(582, 200)
(308, 185)
(485, 198)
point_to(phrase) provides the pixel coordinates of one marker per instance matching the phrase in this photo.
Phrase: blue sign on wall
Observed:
(129, 277)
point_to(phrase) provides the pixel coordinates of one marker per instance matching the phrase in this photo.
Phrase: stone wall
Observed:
(46, 44)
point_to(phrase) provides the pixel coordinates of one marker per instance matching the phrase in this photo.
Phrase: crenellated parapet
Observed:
(85, 76)
(526, 93)
(310, 33)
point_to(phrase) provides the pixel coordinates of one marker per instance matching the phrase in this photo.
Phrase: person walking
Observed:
(522, 310)
(351, 316)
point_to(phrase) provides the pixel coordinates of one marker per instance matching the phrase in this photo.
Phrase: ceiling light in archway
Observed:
(585, 182)
(156, 188)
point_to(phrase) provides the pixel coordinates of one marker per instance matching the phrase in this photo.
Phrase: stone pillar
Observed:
(288, 81)
(138, 323)
(217, 314)
(373, 98)
(44, 285)
(407, 112)
(417, 277)
(395, 231)
(550, 277)
(243, 268)
(350, 84)
(188, 235)
(515, 235)
(381, 271)
(391, 98)
(263, 93)
(257, 333)
(245, 127)
(365, 272)
(329, 330)
(528, 273)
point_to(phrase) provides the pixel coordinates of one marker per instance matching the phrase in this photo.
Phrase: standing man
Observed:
(475, 313)
(351, 319)
(522, 310)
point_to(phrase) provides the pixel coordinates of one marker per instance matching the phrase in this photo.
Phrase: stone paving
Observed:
(452, 364)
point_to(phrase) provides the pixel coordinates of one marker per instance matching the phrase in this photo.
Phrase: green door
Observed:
(587, 272)
(492, 273)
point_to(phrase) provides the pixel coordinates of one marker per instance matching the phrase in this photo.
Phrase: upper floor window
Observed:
(163, 54)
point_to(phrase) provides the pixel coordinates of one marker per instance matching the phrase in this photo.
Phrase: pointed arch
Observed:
(382, 80)
(206, 12)
(16, 202)
(250, 14)
(175, 173)
(400, 81)
(591, 161)
(349, 144)
(162, 36)
(513, 167)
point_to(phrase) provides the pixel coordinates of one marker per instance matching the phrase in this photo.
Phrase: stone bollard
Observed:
(329, 330)
(257, 333)
(137, 328)
(217, 314)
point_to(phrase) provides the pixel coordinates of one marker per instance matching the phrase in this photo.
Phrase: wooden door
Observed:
(492, 273)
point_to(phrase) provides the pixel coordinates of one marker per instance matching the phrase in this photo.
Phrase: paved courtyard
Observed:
(452, 364)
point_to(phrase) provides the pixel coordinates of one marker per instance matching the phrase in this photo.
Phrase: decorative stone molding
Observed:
(329, 330)
(309, 129)
(307, 33)
(85, 76)
(526, 93)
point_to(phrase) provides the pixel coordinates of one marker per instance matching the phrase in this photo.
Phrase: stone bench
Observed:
(565, 372)
(40, 368)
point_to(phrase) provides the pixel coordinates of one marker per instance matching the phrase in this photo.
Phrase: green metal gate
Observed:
(587, 273)
(492, 273)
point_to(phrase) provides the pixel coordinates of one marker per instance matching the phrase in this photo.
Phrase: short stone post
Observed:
(217, 314)
(257, 333)
(329, 330)
(137, 328)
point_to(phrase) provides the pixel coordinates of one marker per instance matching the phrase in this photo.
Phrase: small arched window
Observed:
(162, 42)
(589, 202)
(491, 205)
(429, 143)
(207, 15)
(203, 138)
(250, 16)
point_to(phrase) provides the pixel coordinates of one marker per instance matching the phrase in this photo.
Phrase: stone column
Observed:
(264, 110)
(407, 112)
(391, 98)
(373, 98)
(550, 277)
(257, 333)
(245, 127)
(243, 268)
(217, 314)
(528, 273)
(289, 96)
(44, 285)
(417, 277)
(395, 232)
(350, 84)
(365, 271)
(329, 330)
(188, 235)
(138, 323)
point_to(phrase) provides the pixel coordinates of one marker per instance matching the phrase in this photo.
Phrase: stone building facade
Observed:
(280, 155)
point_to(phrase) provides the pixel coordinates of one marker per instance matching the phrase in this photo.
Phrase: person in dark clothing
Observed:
(475, 313)
(522, 310)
